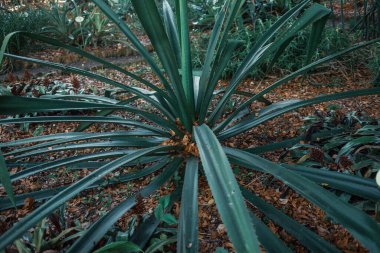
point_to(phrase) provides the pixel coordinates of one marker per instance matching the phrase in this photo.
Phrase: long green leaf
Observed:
(289, 77)
(11, 105)
(150, 19)
(315, 37)
(266, 237)
(135, 41)
(85, 54)
(99, 228)
(317, 16)
(255, 56)
(58, 139)
(72, 135)
(67, 161)
(6, 180)
(187, 237)
(217, 43)
(128, 142)
(253, 121)
(225, 190)
(186, 67)
(363, 187)
(216, 73)
(22, 226)
(92, 119)
(308, 238)
(361, 226)
(98, 77)
(171, 29)
(49, 193)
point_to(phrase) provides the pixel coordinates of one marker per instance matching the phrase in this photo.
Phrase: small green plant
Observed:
(189, 125)
(36, 240)
(160, 211)
(352, 149)
(79, 24)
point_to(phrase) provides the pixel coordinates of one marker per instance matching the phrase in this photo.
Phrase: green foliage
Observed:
(36, 241)
(353, 150)
(160, 214)
(30, 20)
(292, 58)
(79, 24)
(179, 130)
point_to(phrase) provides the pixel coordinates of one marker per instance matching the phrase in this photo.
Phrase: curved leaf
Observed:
(150, 19)
(98, 77)
(135, 41)
(87, 241)
(355, 221)
(11, 105)
(171, 29)
(154, 247)
(57, 139)
(22, 226)
(255, 56)
(49, 193)
(127, 142)
(253, 121)
(80, 52)
(121, 246)
(308, 238)
(291, 76)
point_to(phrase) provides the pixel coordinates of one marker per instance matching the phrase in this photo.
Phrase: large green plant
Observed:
(187, 129)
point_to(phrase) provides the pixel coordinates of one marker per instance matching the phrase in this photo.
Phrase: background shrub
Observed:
(30, 20)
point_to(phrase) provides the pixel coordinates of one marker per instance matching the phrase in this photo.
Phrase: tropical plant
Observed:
(78, 24)
(188, 127)
(61, 25)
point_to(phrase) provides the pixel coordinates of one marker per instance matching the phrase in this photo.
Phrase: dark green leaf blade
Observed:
(266, 237)
(22, 226)
(308, 238)
(361, 226)
(187, 238)
(122, 246)
(225, 190)
(99, 228)
(5, 179)
(253, 121)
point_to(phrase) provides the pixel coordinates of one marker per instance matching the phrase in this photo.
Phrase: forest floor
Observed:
(91, 204)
